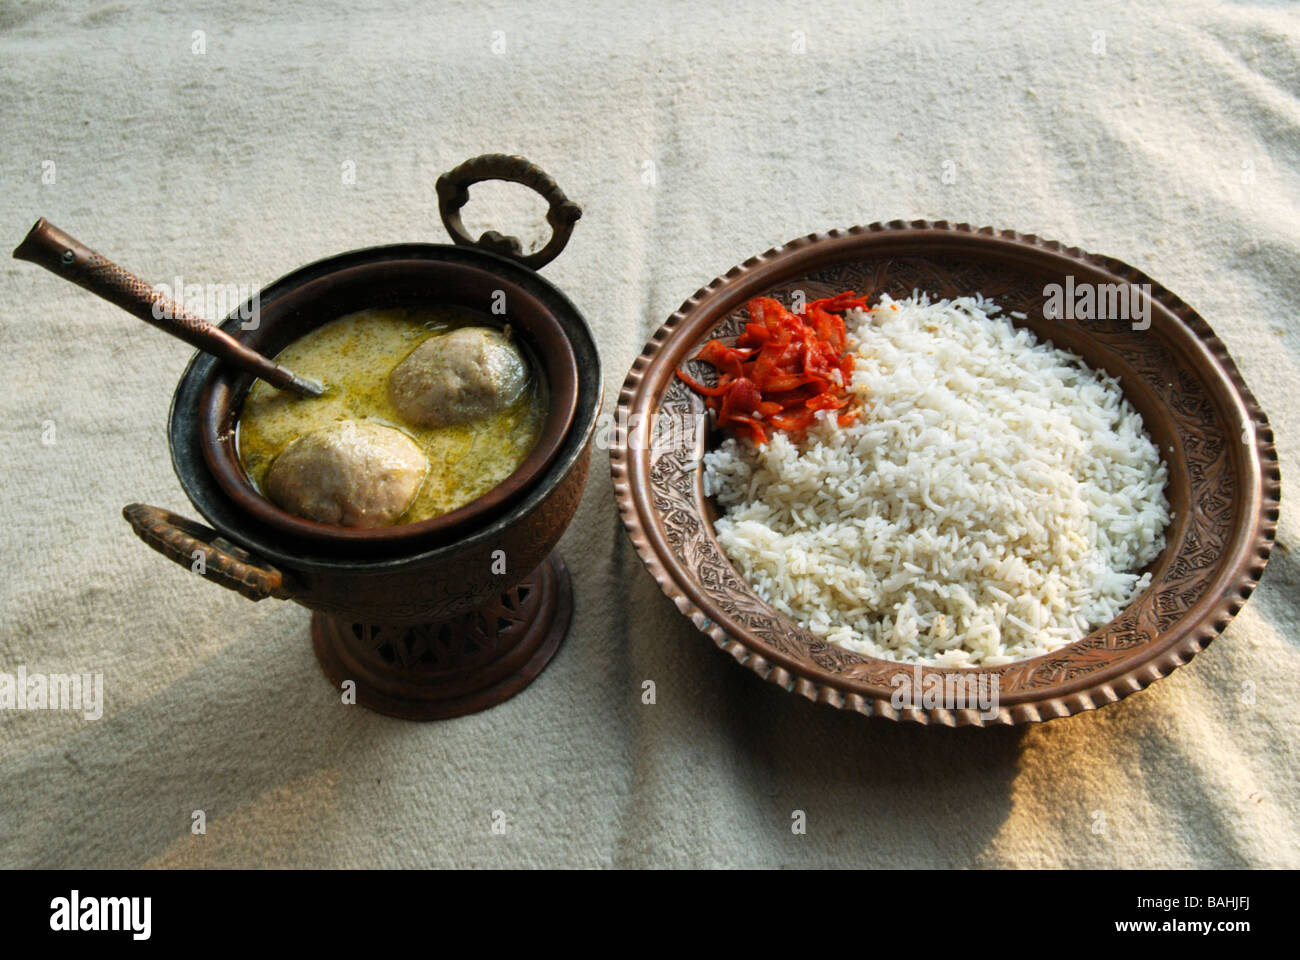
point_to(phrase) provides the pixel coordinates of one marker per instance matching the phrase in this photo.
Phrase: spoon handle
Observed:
(62, 254)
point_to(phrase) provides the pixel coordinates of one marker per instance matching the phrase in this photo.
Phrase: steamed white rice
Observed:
(993, 502)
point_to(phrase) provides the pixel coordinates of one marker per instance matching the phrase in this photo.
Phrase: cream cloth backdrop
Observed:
(215, 144)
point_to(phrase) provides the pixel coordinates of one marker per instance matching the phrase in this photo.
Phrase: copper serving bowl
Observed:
(1224, 483)
(389, 281)
(430, 622)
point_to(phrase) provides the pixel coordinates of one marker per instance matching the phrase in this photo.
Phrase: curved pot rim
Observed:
(212, 503)
(225, 390)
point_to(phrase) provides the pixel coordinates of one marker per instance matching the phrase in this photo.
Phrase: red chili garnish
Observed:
(783, 368)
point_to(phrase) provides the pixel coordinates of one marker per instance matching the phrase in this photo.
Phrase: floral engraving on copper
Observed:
(1195, 561)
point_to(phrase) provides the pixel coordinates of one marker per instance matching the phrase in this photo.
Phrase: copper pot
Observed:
(426, 626)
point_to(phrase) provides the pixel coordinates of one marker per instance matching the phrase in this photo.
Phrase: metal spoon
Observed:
(71, 259)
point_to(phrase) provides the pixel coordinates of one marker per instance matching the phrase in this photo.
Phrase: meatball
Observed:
(458, 377)
(354, 473)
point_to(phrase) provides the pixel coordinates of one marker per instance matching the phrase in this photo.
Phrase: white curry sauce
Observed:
(353, 356)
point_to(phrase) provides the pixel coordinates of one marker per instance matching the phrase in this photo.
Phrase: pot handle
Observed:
(453, 194)
(179, 539)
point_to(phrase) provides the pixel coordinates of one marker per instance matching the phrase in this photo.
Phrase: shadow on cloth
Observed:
(872, 791)
(251, 726)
